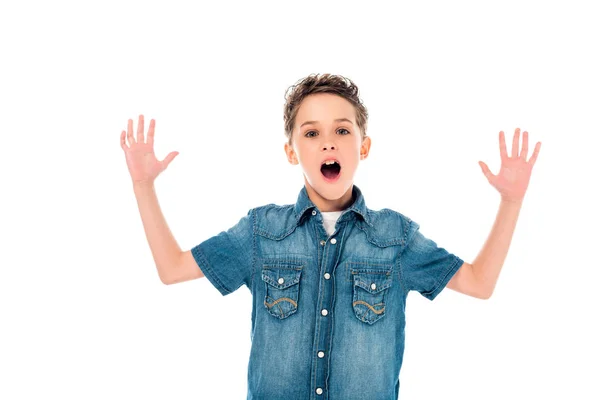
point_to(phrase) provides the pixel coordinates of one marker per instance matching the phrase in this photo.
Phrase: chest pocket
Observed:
(282, 288)
(370, 290)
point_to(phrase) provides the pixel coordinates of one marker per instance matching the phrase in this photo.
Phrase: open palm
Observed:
(515, 171)
(141, 160)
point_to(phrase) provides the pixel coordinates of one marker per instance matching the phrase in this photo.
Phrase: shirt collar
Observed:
(304, 204)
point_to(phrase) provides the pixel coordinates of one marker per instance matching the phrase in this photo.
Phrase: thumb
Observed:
(486, 171)
(169, 158)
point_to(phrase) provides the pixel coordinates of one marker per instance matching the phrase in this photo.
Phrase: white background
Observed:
(83, 313)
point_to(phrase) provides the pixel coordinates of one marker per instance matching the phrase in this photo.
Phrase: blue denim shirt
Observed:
(328, 311)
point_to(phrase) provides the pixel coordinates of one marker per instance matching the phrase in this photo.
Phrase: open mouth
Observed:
(331, 169)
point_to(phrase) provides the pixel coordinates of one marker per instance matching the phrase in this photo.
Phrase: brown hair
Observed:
(325, 83)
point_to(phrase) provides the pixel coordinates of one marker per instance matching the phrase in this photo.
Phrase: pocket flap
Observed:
(281, 278)
(372, 281)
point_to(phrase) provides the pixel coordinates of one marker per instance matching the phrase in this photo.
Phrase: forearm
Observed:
(490, 259)
(164, 247)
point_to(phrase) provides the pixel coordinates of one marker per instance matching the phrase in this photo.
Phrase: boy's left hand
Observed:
(515, 171)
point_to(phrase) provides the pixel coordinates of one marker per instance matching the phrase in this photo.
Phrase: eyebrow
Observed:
(337, 120)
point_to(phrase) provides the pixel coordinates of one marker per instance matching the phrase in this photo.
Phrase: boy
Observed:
(329, 277)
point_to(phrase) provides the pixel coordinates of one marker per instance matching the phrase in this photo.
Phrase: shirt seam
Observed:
(406, 241)
(209, 272)
(253, 213)
(441, 284)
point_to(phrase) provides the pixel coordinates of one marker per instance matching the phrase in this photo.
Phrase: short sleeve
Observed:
(425, 267)
(227, 258)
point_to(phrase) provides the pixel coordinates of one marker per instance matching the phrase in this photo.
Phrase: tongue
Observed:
(330, 171)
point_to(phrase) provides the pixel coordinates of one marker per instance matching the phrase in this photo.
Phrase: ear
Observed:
(365, 147)
(291, 154)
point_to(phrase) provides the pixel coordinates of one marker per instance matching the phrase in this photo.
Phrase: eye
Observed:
(310, 134)
(347, 132)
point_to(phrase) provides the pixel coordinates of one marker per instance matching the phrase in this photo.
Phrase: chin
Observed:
(331, 190)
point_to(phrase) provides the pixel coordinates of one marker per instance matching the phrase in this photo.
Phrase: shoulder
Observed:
(274, 221)
(387, 227)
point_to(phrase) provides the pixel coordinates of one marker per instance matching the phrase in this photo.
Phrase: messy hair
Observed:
(325, 83)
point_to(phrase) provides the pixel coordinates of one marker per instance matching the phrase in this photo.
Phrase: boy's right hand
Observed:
(141, 161)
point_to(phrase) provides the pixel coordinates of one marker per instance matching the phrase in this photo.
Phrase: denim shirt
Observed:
(327, 311)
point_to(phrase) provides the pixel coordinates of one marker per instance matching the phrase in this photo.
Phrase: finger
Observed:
(515, 144)
(169, 158)
(123, 144)
(150, 138)
(140, 131)
(486, 171)
(503, 154)
(536, 150)
(130, 132)
(525, 146)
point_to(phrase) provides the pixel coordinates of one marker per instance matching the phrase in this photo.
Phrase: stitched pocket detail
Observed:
(370, 289)
(282, 285)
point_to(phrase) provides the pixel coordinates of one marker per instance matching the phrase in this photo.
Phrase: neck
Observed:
(326, 205)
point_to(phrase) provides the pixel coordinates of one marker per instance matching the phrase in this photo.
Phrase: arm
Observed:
(172, 264)
(479, 279)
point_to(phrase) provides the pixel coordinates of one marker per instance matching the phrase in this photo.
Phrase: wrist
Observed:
(511, 204)
(508, 200)
(143, 185)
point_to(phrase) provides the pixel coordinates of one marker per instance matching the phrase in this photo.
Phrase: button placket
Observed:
(324, 312)
(328, 251)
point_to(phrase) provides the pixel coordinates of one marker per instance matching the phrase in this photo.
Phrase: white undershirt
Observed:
(329, 220)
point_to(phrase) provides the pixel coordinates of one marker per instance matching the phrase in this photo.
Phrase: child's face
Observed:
(325, 129)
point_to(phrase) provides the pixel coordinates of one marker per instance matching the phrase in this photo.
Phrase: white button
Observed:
(326, 275)
(321, 354)
(373, 286)
(323, 312)
(322, 242)
(314, 212)
(280, 281)
(319, 391)
(333, 241)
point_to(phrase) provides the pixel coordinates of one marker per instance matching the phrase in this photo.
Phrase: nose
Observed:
(328, 144)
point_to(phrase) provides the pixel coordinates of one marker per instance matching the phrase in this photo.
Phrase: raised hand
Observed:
(515, 171)
(141, 161)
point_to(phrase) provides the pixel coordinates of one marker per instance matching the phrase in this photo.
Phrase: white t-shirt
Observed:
(329, 220)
